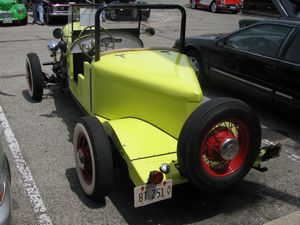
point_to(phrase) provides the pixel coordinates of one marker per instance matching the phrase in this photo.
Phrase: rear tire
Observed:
(218, 144)
(34, 77)
(93, 156)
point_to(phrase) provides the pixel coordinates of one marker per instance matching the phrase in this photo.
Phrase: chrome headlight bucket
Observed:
(52, 46)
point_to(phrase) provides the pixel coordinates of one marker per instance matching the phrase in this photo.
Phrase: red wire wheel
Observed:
(34, 77)
(218, 144)
(225, 147)
(93, 157)
(84, 157)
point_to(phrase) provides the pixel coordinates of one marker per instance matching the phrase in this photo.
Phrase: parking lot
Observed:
(37, 138)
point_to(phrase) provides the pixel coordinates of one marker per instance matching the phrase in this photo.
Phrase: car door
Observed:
(287, 88)
(248, 61)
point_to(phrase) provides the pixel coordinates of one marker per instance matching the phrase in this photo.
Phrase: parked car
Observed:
(13, 11)
(5, 193)
(127, 14)
(262, 60)
(54, 9)
(145, 103)
(217, 5)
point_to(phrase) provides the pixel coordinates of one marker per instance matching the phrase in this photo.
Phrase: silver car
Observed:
(5, 195)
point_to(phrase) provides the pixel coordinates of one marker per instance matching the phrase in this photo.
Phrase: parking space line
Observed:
(24, 173)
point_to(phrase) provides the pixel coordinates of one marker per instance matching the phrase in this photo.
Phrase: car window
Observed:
(262, 39)
(292, 54)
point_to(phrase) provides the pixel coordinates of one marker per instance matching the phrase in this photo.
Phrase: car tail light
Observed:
(155, 177)
(2, 187)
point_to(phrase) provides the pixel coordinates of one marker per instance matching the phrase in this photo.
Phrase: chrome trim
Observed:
(287, 62)
(229, 149)
(62, 13)
(284, 95)
(242, 80)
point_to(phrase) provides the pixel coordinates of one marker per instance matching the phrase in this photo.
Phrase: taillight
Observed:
(155, 177)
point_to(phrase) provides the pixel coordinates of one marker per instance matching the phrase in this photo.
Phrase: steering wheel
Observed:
(87, 41)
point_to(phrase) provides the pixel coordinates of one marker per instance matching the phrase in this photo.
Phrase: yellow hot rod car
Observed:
(145, 101)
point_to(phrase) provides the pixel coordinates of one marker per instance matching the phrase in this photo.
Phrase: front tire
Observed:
(195, 59)
(24, 21)
(214, 7)
(93, 156)
(34, 77)
(218, 144)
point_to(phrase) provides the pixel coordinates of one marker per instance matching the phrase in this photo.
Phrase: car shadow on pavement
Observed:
(190, 205)
(25, 94)
(65, 108)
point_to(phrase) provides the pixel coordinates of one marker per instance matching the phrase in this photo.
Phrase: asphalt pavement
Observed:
(44, 183)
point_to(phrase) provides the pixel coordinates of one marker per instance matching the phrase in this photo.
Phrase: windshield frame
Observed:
(138, 6)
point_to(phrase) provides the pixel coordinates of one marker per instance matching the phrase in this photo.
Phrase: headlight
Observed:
(2, 185)
(52, 46)
(20, 10)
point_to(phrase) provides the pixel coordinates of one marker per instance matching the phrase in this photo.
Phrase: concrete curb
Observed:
(290, 219)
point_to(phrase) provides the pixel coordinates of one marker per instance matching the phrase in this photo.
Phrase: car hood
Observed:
(288, 8)
(206, 40)
(207, 36)
(7, 4)
(164, 71)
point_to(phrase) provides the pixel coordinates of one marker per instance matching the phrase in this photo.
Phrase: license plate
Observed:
(232, 7)
(150, 193)
(6, 17)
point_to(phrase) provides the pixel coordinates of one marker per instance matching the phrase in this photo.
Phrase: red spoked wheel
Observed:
(225, 148)
(218, 144)
(84, 158)
(93, 157)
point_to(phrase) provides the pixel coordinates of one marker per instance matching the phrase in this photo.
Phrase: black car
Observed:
(261, 60)
(127, 14)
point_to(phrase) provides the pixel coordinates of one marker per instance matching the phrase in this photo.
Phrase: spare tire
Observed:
(218, 144)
